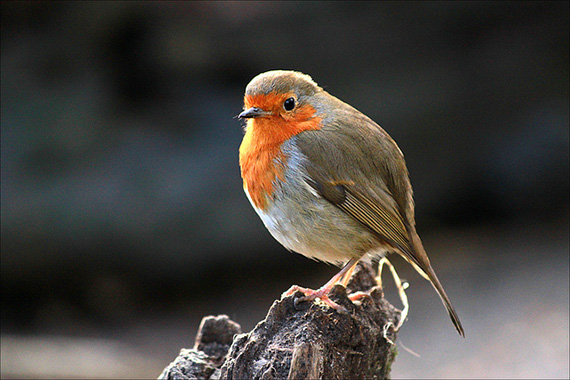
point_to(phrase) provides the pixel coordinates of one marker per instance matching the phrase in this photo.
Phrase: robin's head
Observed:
(280, 96)
(277, 106)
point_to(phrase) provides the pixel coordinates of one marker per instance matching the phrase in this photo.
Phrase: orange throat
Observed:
(261, 159)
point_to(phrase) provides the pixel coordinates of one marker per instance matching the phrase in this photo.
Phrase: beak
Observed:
(252, 112)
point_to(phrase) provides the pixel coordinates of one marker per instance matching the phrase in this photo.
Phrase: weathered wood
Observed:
(215, 335)
(299, 340)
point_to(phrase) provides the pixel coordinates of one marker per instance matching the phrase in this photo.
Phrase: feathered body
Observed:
(326, 180)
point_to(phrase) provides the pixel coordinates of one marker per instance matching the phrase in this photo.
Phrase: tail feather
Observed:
(419, 260)
(445, 299)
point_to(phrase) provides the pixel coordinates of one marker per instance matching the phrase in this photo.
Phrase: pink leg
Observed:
(346, 277)
(323, 291)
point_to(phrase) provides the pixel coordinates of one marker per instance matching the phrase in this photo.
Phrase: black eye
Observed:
(289, 104)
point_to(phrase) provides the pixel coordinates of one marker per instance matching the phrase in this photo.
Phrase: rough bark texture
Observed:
(215, 335)
(299, 340)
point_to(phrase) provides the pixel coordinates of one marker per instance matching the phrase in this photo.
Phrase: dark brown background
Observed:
(123, 216)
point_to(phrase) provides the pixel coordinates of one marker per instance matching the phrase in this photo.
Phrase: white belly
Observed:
(304, 222)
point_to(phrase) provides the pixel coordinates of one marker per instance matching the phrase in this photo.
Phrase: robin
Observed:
(326, 180)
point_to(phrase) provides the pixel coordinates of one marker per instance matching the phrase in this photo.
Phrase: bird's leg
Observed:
(399, 285)
(323, 291)
(344, 282)
(346, 277)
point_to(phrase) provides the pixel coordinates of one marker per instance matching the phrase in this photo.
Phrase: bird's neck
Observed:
(261, 159)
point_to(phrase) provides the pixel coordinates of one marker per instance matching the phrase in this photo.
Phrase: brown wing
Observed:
(357, 166)
(375, 214)
(360, 169)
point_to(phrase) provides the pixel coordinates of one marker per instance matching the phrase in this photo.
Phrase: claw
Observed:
(322, 293)
(311, 295)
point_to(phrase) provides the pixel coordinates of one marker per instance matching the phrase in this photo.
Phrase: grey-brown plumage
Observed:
(346, 184)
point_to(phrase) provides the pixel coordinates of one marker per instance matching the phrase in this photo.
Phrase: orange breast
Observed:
(261, 159)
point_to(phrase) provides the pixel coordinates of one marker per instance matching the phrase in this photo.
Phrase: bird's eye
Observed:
(289, 104)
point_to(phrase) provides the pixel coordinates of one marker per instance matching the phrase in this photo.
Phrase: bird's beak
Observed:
(252, 112)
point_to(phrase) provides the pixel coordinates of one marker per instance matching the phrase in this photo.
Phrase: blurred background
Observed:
(123, 216)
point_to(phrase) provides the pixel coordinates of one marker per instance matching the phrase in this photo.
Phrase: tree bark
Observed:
(299, 340)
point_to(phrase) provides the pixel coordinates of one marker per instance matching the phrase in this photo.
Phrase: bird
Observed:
(327, 181)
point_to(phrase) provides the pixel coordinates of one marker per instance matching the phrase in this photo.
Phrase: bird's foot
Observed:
(311, 295)
(323, 292)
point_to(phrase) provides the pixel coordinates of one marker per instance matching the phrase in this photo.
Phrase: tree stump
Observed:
(299, 340)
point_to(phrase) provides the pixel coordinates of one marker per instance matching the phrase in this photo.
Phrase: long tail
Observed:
(431, 276)
(420, 262)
